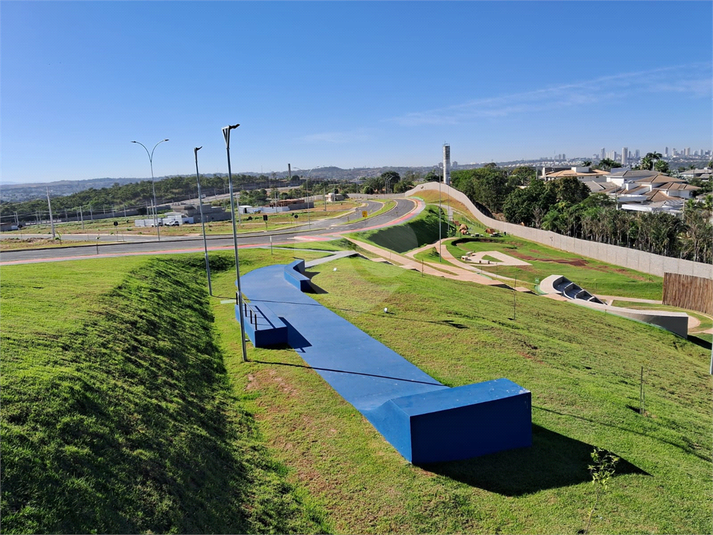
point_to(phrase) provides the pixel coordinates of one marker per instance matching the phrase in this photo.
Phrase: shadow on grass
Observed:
(552, 461)
(390, 314)
(334, 370)
(315, 288)
(705, 344)
(682, 447)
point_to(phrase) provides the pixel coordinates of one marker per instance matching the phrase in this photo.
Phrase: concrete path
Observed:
(335, 256)
(502, 259)
(361, 369)
(428, 268)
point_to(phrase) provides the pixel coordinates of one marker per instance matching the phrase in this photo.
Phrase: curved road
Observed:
(404, 210)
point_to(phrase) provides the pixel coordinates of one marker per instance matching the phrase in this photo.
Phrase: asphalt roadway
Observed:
(404, 210)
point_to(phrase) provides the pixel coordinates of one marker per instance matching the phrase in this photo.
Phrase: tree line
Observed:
(139, 195)
(567, 207)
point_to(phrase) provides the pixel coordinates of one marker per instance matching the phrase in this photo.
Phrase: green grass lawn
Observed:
(431, 255)
(117, 411)
(582, 368)
(414, 233)
(595, 276)
(126, 407)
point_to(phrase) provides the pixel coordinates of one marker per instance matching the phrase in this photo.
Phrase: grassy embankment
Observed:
(163, 407)
(117, 412)
(583, 370)
(410, 235)
(595, 276)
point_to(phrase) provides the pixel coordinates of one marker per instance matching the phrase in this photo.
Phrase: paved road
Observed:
(404, 210)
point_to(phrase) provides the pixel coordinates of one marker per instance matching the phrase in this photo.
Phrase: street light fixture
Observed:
(153, 184)
(200, 207)
(239, 295)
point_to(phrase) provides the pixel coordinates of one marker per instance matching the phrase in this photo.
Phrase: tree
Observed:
(607, 164)
(373, 184)
(529, 205)
(569, 189)
(433, 176)
(661, 166)
(647, 162)
(390, 178)
(521, 176)
(487, 185)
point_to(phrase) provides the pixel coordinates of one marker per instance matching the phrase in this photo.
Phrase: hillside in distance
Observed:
(27, 192)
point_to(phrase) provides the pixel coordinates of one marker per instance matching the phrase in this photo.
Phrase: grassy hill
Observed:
(126, 407)
(117, 414)
(406, 236)
(583, 368)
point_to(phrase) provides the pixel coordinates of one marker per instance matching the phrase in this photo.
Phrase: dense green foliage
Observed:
(139, 194)
(116, 411)
(389, 182)
(566, 207)
(406, 236)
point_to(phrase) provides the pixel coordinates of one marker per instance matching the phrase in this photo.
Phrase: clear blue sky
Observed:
(348, 84)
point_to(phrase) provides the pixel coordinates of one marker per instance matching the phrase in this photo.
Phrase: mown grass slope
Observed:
(117, 414)
(595, 276)
(583, 369)
(406, 236)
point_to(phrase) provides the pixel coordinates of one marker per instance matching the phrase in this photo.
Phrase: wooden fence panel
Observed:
(687, 291)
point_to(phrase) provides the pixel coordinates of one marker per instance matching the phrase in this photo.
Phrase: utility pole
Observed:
(81, 216)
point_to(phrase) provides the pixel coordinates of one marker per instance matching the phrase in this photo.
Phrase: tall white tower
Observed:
(624, 156)
(447, 164)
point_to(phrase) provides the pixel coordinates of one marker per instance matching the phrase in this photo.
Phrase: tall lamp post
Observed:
(200, 207)
(239, 296)
(153, 184)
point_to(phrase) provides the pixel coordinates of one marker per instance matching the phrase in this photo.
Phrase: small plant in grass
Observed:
(601, 471)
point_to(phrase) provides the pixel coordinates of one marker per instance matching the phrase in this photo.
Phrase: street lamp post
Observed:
(239, 296)
(153, 184)
(440, 244)
(200, 207)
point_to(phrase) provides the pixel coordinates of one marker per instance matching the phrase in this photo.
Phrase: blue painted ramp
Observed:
(423, 419)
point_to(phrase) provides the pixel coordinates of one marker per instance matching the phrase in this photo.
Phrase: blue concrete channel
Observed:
(423, 419)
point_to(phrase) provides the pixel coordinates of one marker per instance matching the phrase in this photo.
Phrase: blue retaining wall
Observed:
(294, 274)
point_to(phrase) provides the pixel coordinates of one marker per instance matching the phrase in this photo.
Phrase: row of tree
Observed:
(390, 182)
(566, 206)
(140, 194)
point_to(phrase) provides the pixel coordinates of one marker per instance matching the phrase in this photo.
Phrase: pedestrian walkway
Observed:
(423, 419)
(428, 268)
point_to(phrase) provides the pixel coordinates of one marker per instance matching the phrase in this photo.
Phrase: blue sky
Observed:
(349, 84)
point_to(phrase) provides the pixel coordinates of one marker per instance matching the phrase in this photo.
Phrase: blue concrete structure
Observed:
(294, 274)
(423, 419)
(262, 325)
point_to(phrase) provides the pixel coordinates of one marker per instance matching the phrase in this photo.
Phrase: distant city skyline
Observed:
(348, 84)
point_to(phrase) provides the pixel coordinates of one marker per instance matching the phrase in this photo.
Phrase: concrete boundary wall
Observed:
(613, 254)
